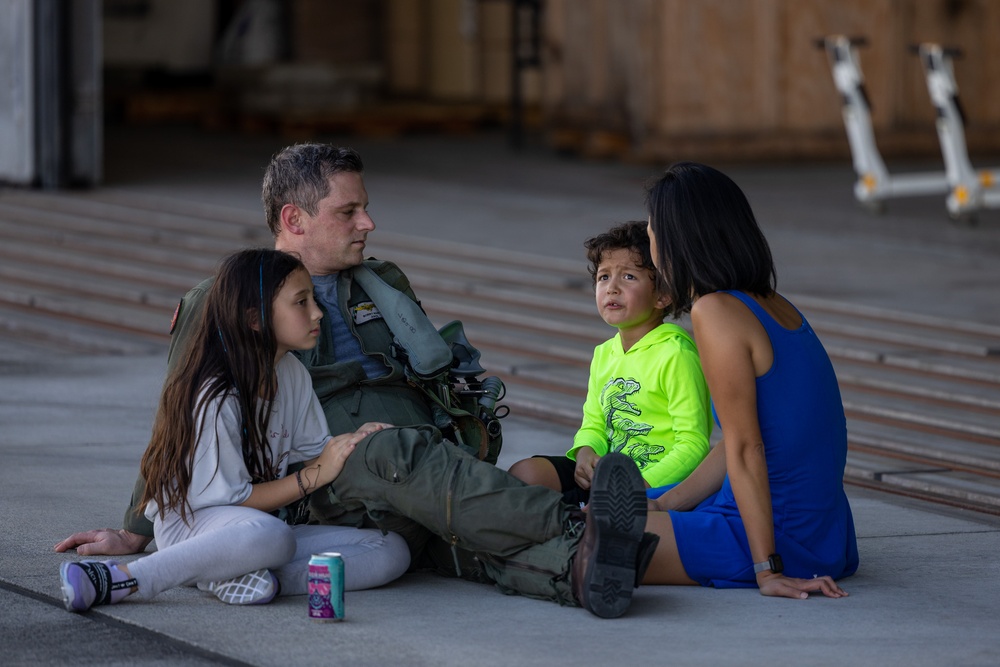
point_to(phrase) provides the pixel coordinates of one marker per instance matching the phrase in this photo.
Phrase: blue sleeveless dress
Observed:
(805, 441)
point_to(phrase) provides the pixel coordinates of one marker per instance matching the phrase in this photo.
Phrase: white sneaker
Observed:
(257, 587)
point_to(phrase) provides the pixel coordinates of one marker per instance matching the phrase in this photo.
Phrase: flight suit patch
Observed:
(365, 312)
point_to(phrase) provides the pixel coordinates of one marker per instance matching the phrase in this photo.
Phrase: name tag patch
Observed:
(365, 312)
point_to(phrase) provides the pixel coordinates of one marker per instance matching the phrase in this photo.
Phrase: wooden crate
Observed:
(743, 77)
(452, 51)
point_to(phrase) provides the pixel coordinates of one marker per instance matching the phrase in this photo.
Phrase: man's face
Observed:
(334, 238)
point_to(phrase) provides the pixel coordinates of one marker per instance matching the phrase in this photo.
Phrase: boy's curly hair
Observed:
(628, 236)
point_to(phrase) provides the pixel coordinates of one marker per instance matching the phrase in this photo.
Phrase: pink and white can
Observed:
(326, 587)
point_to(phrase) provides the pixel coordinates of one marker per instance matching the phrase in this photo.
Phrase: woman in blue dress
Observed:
(767, 507)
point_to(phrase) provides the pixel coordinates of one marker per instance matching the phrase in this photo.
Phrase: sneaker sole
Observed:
(258, 587)
(618, 512)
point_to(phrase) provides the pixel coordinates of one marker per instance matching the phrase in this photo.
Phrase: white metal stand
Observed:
(967, 190)
(971, 189)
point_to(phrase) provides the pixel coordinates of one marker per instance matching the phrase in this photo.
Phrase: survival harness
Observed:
(445, 366)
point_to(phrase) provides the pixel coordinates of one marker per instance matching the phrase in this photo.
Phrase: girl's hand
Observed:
(371, 427)
(331, 461)
(327, 466)
(779, 585)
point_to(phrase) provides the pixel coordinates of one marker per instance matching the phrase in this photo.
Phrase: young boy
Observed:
(646, 396)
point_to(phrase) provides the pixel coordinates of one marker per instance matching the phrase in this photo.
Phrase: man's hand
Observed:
(105, 542)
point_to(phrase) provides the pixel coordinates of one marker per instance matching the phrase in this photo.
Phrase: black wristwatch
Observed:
(773, 563)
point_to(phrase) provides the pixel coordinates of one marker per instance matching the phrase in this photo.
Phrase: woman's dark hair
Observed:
(626, 236)
(230, 355)
(707, 238)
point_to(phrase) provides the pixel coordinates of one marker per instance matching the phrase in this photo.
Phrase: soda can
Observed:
(326, 587)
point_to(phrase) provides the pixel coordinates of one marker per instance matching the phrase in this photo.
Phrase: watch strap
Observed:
(773, 563)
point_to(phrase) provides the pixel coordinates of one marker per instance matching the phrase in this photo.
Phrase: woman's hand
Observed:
(661, 504)
(778, 585)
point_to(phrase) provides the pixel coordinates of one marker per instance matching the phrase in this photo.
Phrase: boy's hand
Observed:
(586, 459)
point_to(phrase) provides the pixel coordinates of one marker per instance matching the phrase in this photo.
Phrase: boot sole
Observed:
(618, 513)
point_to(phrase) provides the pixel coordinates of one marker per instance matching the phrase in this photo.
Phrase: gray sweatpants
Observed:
(229, 541)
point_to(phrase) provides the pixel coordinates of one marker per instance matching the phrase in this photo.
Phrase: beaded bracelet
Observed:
(298, 478)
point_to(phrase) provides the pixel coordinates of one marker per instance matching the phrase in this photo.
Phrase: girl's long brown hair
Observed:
(230, 355)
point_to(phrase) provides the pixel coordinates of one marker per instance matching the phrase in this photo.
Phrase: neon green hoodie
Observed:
(650, 403)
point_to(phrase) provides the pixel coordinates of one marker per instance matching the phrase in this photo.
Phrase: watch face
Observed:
(776, 565)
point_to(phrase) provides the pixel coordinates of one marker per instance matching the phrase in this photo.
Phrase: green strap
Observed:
(429, 355)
